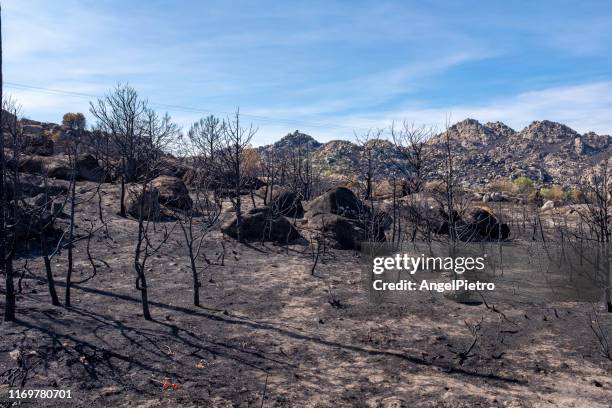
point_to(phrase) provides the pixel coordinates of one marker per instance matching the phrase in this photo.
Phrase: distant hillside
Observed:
(545, 151)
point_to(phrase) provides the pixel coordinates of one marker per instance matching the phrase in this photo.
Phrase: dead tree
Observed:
(269, 170)
(6, 263)
(409, 141)
(44, 211)
(597, 195)
(76, 123)
(156, 135)
(205, 136)
(409, 164)
(9, 215)
(196, 223)
(303, 177)
(368, 168)
(120, 115)
(234, 140)
(368, 164)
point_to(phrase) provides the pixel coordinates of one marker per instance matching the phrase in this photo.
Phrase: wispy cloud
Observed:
(324, 67)
(584, 107)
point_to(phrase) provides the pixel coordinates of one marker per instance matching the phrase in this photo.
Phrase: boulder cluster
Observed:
(344, 220)
(164, 190)
(477, 224)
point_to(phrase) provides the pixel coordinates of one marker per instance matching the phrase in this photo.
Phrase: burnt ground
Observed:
(271, 334)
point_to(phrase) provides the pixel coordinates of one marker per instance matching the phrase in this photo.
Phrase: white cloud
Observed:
(585, 107)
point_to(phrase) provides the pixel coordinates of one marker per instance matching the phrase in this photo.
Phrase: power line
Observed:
(180, 108)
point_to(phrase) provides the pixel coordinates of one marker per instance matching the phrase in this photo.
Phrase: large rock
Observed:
(346, 233)
(38, 144)
(31, 223)
(591, 143)
(339, 201)
(383, 190)
(262, 226)
(150, 205)
(477, 224)
(548, 205)
(172, 192)
(487, 224)
(59, 167)
(89, 169)
(289, 204)
(227, 181)
(31, 185)
(32, 128)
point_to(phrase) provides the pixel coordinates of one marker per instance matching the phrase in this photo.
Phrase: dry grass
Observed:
(554, 193)
(501, 186)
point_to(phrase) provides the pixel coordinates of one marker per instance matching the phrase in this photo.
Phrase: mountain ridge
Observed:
(545, 151)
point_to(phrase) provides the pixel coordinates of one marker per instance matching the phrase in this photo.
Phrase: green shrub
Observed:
(523, 185)
(554, 193)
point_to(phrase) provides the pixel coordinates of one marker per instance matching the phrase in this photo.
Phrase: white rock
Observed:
(549, 205)
(15, 354)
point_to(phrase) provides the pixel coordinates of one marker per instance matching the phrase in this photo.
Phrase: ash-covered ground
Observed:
(271, 334)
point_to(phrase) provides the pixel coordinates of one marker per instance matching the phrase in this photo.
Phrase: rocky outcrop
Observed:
(59, 167)
(591, 143)
(343, 219)
(384, 189)
(487, 224)
(262, 225)
(548, 205)
(501, 129)
(31, 185)
(477, 224)
(146, 204)
(548, 132)
(52, 166)
(296, 140)
(89, 169)
(32, 223)
(339, 201)
(346, 233)
(287, 203)
(545, 151)
(172, 192)
(39, 145)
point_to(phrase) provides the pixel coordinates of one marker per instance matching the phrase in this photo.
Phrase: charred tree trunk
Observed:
(71, 229)
(50, 280)
(122, 199)
(194, 274)
(5, 262)
(139, 266)
(237, 192)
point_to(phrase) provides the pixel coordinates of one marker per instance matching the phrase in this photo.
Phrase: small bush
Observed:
(573, 196)
(54, 135)
(534, 197)
(501, 186)
(434, 186)
(75, 121)
(555, 193)
(523, 185)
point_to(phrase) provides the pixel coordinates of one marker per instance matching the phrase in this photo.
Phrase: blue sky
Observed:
(327, 68)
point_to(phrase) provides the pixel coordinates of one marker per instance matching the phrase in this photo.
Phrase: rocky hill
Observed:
(546, 152)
